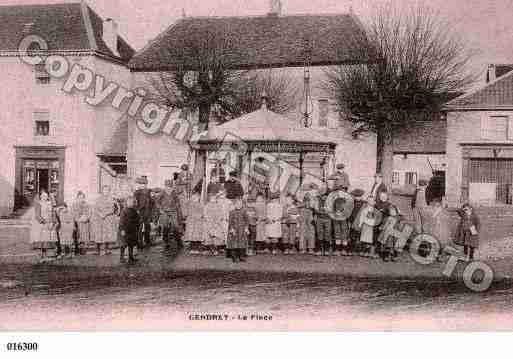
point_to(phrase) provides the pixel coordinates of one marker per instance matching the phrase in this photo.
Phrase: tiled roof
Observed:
(424, 137)
(65, 27)
(495, 94)
(256, 41)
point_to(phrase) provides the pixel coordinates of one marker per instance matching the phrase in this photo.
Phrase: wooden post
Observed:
(301, 159)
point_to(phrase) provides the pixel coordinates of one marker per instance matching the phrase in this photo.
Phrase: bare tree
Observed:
(208, 78)
(410, 62)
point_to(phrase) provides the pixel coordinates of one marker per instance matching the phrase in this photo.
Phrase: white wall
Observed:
(74, 124)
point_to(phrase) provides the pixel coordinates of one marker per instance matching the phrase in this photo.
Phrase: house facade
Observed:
(272, 42)
(480, 144)
(52, 140)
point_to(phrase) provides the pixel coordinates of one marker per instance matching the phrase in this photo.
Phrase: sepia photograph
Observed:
(255, 165)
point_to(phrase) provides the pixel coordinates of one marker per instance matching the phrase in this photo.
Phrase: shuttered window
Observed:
(41, 123)
(494, 170)
(496, 128)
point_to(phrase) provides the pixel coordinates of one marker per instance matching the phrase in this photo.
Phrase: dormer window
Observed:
(42, 76)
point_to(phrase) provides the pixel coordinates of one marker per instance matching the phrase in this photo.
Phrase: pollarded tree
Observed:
(411, 61)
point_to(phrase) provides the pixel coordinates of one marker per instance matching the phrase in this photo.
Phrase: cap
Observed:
(233, 173)
(357, 192)
(340, 166)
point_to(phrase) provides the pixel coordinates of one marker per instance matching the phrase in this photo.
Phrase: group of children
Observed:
(286, 224)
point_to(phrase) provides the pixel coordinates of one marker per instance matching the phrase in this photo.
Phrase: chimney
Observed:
(274, 7)
(491, 75)
(110, 35)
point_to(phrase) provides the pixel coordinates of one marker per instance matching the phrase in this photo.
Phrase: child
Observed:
(67, 227)
(383, 206)
(212, 225)
(307, 225)
(340, 227)
(273, 221)
(238, 231)
(224, 207)
(368, 213)
(354, 233)
(323, 222)
(467, 234)
(194, 224)
(289, 224)
(260, 208)
(252, 215)
(129, 229)
(391, 216)
(43, 229)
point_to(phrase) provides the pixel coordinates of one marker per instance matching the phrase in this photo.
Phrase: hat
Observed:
(357, 192)
(141, 180)
(168, 183)
(340, 166)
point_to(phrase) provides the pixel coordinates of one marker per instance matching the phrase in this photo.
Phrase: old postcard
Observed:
(270, 165)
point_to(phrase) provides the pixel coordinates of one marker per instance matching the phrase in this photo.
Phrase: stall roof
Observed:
(263, 126)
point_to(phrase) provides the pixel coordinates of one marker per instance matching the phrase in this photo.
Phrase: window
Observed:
(42, 123)
(410, 178)
(42, 76)
(323, 113)
(496, 128)
(395, 177)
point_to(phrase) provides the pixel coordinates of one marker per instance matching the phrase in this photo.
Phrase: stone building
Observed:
(52, 140)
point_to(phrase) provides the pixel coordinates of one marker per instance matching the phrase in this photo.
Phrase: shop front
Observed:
(39, 169)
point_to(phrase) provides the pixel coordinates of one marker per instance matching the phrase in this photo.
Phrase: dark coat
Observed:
(233, 189)
(129, 223)
(464, 237)
(358, 204)
(145, 204)
(238, 223)
(170, 211)
(381, 188)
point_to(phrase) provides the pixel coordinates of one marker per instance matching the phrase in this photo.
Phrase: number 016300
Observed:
(22, 347)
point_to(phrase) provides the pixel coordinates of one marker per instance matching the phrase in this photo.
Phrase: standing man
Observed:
(170, 214)
(341, 178)
(145, 207)
(233, 187)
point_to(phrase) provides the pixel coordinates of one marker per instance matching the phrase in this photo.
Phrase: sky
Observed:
(484, 25)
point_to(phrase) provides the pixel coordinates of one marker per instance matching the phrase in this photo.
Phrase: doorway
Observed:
(43, 180)
(38, 169)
